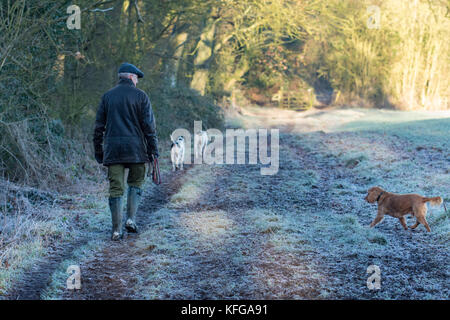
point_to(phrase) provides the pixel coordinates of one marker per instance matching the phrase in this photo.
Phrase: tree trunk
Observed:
(174, 53)
(205, 49)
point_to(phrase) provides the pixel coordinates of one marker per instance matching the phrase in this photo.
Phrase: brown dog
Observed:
(399, 205)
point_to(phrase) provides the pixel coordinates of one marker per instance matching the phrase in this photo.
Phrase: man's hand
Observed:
(156, 175)
(99, 157)
(151, 155)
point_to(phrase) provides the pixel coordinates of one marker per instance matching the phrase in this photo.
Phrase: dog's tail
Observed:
(173, 142)
(435, 201)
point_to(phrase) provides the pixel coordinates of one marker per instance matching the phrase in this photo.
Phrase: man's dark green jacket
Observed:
(125, 130)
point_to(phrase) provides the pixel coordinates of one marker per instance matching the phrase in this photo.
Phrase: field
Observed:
(228, 232)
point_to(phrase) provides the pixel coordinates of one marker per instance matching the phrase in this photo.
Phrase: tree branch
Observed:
(101, 10)
(138, 12)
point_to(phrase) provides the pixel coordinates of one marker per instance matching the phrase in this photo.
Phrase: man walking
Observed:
(125, 137)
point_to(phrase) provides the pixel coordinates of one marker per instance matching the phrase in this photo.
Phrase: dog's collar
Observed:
(380, 195)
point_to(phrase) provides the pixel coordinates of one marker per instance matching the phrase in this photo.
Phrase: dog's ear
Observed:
(377, 190)
(370, 195)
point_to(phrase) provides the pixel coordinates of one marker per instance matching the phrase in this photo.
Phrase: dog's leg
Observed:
(377, 220)
(420, 212)
(423, 221)
(415, 225)
(172, 157)
(403, 222)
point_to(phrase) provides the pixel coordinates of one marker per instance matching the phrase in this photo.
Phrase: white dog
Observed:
(177, 153)
(200, 142)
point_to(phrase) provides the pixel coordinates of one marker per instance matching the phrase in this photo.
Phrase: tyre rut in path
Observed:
(37, 277)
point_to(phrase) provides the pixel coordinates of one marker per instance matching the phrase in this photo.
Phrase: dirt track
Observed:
(227, 232)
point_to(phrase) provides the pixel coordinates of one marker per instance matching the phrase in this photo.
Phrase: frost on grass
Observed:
(179, 244)
(285, 268)
(206, 227)
(26, 231)
(347, 231)
(58, 280)
(441, 223)
(194, 185)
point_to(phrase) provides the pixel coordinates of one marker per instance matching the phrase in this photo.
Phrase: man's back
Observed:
(123, 108)
(126, 118)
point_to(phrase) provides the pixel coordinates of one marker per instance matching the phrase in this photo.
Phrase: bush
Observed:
(179, 107)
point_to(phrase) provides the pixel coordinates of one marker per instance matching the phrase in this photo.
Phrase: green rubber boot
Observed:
(134, 197)
(115, 205)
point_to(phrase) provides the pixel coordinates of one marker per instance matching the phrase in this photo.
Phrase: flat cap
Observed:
(129, 68)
